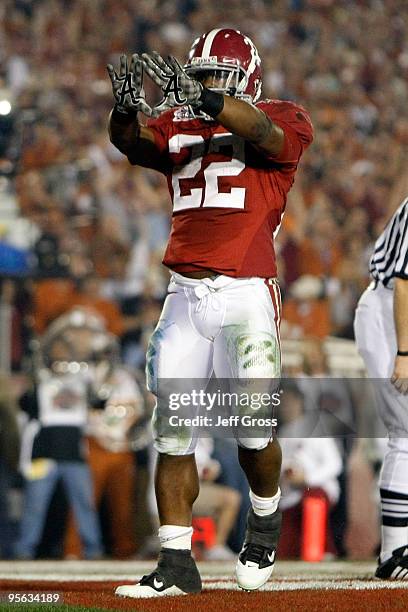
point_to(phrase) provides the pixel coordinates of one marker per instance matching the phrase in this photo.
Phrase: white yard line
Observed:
(104, 568)
(315, 585)
(289, 575)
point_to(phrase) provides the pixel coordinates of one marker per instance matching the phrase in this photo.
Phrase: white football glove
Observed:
(178, 88)
(127, 86)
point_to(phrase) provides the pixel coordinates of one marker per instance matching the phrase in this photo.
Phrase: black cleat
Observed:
(176, 574)
(257, 557)
(396, 567)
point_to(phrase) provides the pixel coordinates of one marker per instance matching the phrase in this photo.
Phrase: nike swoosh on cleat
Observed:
(157, 584)
(271, 557)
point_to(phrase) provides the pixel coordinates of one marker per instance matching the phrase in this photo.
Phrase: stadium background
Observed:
(79, 224)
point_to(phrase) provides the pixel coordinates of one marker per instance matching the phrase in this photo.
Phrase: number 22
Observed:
(212, 197)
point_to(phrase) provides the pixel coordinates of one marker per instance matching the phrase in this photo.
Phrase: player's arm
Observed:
(400, 374)
(135, 141)
(250, 123)
(237, 116)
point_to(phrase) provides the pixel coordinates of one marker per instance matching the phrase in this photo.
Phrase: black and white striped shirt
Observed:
(390, 257)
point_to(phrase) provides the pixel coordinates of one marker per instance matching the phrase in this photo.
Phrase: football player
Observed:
(230, 160)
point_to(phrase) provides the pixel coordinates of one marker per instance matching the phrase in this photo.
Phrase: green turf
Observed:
(44, 607)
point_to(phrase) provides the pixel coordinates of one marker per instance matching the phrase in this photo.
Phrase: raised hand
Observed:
(127, 86)
(178, 88)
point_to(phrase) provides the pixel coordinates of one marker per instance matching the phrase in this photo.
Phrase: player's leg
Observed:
(375, 336)
(176, 351)
(248, 348)
(175, 503)
(262, 468)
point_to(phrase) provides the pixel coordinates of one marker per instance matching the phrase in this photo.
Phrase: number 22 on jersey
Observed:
(208, 195)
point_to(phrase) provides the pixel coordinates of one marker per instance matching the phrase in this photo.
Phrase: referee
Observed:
(381, 331)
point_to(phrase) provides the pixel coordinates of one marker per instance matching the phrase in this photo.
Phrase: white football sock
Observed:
(392, 538)
(175, 536)
(262, 506)
(394, 519)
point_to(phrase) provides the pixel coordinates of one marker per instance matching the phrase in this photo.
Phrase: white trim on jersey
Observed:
(390, 256)
(208, 43)
(277, 228)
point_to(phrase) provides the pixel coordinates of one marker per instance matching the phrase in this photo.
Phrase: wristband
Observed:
(123, 117)
(211, 102)
(402, 353)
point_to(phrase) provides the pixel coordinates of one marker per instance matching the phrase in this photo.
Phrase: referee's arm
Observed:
(400, 374)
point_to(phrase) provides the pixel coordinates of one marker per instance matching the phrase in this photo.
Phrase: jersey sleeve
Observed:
(161, 132)
(296, 125)
(160, 129)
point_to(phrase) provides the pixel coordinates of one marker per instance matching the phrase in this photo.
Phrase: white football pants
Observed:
(226, 326)
(377, 343)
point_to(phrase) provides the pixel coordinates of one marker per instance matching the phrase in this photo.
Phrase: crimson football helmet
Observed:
(231, 59)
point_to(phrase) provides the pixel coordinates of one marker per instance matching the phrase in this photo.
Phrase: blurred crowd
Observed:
(99, 226)
(81, 228)
(77, 459)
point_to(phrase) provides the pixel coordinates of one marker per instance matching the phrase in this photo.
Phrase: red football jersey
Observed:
(228, 198)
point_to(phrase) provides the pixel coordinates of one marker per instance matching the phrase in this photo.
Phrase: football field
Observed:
(334, 586)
